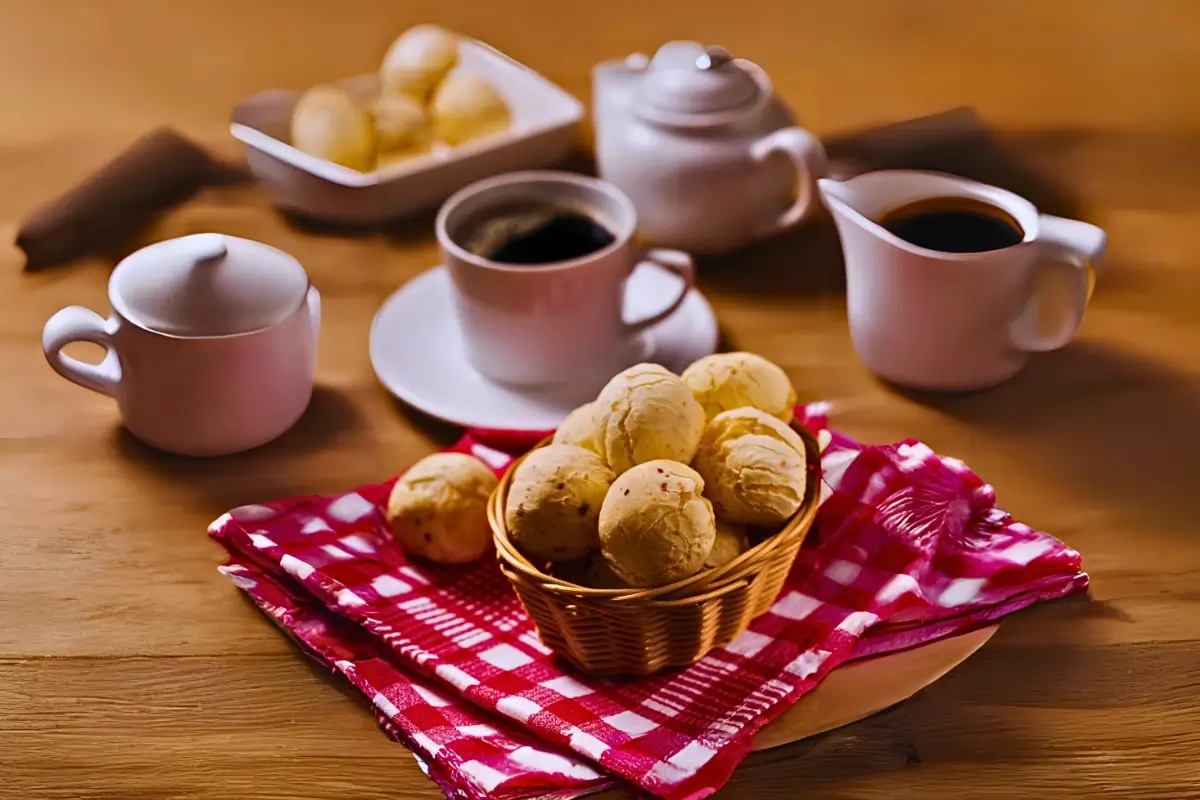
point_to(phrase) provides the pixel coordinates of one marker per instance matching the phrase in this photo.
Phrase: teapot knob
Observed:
(637, 61)
(713, 58)
(208, 247)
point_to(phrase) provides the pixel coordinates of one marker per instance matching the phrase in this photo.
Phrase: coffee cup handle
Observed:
(1060, 241)
(78, 324)
(808, 155)
(676, 262)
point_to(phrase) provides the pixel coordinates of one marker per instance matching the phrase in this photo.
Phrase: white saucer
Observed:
(417, 354)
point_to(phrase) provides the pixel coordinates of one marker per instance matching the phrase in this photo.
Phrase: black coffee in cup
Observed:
(536, 233)
(953, 225)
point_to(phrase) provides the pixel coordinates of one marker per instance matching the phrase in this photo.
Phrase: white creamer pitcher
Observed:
(953, 321)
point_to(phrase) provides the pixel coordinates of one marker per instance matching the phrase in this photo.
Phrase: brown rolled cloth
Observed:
(940, 142)
(957, 142)
(159, 170)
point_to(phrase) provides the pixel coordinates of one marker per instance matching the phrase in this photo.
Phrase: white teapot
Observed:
(704, 148)
(211, 343)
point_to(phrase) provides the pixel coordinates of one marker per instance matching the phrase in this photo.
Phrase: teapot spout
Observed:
(613, 83)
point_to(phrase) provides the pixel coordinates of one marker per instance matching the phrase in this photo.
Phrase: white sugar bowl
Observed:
(211, 343)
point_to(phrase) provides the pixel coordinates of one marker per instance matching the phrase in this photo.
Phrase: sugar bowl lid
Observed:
(711, 82)
(207, 284)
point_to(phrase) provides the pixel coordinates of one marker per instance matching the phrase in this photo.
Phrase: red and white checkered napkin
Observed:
(909, 547)
(467, 751)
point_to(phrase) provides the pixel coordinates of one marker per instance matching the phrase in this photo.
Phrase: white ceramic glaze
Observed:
(708, 153)
(559, 323)
(545, 121)
(418, 355)
(953, 321)
(208, 284)
(204, 394)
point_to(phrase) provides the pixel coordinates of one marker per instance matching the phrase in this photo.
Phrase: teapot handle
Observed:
(808, 154)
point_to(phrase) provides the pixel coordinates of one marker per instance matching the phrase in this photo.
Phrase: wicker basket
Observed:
(638, 632)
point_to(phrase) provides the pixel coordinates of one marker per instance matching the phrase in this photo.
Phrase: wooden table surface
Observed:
(130, 669)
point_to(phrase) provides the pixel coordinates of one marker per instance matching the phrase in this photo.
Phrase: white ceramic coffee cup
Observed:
(531, 325)
(947, 321)
(211, 343)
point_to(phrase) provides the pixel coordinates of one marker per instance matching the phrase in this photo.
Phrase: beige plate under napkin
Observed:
(858, 690)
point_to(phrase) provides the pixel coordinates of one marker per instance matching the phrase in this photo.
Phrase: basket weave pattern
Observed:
(636, 632)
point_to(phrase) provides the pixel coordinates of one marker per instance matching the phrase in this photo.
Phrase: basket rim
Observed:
(704, 585)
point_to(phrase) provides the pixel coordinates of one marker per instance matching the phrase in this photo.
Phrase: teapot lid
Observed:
(207, 284)
(711, 82)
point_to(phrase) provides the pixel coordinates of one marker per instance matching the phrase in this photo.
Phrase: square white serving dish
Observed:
(545, 121)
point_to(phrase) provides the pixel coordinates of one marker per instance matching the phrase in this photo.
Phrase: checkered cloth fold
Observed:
(908, 547)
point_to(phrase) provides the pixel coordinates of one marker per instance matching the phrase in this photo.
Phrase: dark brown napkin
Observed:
(111, 206)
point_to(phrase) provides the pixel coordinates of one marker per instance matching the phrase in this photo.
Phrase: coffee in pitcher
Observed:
(953, 225)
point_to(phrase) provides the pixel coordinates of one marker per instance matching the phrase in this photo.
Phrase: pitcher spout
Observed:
(841, 199)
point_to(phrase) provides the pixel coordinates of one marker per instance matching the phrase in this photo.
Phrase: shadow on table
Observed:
(264, 472)
(926, 727)
(1070, 669)
(441, 433)
(805, 262)
(1110, 424)
(322, 227)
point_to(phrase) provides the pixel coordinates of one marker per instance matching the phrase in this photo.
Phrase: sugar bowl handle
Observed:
(808, 155)
(78, 324)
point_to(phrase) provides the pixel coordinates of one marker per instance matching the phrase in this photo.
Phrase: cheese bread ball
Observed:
(730, 542)
(418, 60)
(466, 107)
(554, 502)
(725, 381)
(580, 428)
(572, 571)
(328, 124)
(754, 467)
(656, 526)
(438, 508)
(601, 576)
(647, 413)
(402, 128)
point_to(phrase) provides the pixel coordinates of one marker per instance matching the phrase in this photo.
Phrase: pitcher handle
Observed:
(1060, 241)
(676, 262)
(78, 324)
(808, 155)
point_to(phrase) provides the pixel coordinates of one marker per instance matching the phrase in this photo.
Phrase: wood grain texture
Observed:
(857, 690)
(130, 669)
